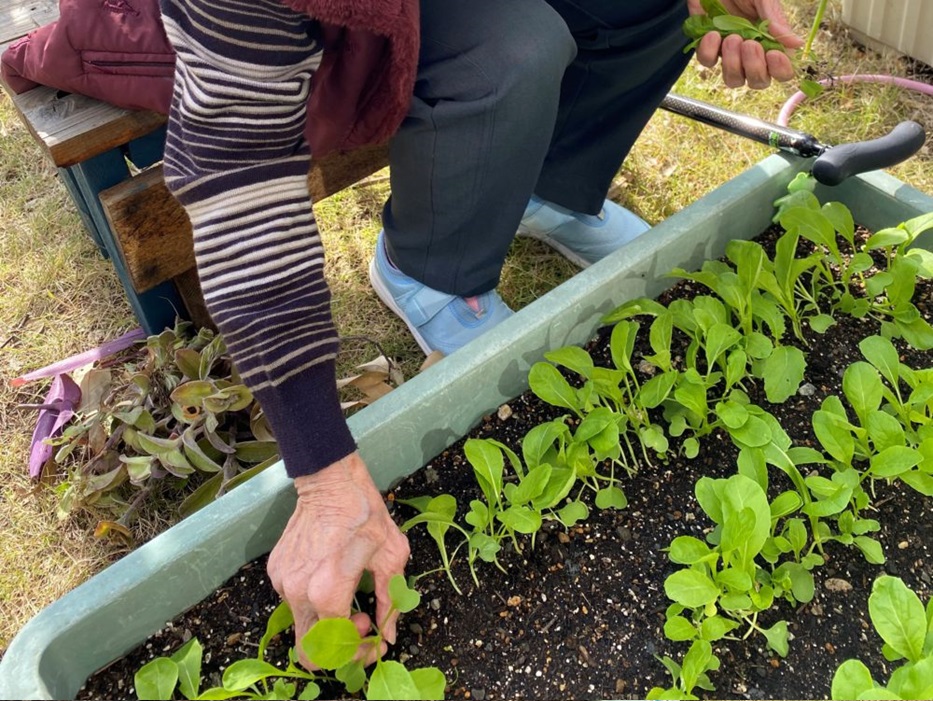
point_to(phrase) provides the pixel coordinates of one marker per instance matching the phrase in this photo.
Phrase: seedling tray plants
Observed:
(115, 611)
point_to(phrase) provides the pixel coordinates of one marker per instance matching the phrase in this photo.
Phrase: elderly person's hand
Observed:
(339, 529)
(744, 61)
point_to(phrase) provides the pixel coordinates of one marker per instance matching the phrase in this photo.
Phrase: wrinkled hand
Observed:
(339, 529)
(744, 61)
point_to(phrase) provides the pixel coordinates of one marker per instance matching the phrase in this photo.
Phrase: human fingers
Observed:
(755, 65)
(708, 49)
(778, 25)
(387, 563)
(779, 66)
(367, 654)
(733, 71)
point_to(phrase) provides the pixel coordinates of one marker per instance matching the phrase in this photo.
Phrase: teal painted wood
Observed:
(77, 196)
(157, 308)
(117, 609)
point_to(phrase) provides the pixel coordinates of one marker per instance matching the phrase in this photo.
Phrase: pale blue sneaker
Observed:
(438, 321)
(581, 238)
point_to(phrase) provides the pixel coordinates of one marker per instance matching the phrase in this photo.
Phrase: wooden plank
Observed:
(18, 18)
(189, 288)
(73, 128)
(153, 231)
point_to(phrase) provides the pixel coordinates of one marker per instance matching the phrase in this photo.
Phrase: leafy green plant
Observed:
(888, 287)
(175, 411)
(906, 628)
(723, 585)
(690, 674)
(517, 502)
(332, 644)
(604, 403)
(252, 678)
(718, 19)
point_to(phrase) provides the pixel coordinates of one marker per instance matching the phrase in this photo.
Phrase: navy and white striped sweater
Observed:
(237, 159)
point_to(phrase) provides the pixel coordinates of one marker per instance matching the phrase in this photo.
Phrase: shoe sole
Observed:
(382, 292)
(567, 253)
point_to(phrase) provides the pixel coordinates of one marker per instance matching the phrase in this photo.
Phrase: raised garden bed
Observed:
(118, 609)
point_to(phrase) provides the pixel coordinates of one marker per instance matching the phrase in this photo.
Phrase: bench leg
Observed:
(155, 309)
(71, 184)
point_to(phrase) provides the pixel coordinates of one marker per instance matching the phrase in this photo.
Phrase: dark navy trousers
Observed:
(515, 97)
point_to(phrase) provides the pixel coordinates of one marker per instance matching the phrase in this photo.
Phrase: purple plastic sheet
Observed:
(82, 359)
(63, 398)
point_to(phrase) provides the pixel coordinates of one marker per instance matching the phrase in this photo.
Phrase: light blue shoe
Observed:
(581, 238)
(437, 320)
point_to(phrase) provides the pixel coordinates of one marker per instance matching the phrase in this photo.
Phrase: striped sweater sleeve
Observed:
(236, 158)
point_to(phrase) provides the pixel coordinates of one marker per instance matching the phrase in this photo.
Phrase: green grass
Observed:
(58, 297)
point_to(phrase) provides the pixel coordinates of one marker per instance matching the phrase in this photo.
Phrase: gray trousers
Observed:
(515, 97)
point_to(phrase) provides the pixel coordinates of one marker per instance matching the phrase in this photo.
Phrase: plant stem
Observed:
(814, 29)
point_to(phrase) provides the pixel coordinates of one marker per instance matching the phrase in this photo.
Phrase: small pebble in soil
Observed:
(837, 585)
(806, 390)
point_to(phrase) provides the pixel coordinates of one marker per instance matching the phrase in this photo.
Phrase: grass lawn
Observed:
(58, 297)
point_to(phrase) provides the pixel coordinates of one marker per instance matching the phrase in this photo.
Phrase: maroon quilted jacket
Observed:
(117, 51)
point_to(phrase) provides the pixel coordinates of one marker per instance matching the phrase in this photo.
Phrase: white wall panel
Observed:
(905, 25)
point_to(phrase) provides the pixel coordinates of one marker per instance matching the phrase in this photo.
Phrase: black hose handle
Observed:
(840, 162)
(833, 163)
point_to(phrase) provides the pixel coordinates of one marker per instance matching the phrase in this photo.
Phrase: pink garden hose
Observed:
(788, 108)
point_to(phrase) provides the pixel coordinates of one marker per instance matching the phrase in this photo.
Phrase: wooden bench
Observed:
(108, 158)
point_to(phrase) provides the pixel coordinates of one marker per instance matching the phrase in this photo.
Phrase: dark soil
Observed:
(580, 615)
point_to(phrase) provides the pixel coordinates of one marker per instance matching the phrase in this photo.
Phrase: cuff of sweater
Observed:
(305, 416)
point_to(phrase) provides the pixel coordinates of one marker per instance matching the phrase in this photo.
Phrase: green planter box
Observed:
(116, 610)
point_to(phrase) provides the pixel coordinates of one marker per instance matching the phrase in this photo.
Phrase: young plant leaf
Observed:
(188, 660)
(156, 680)
(691, 588)
(852, 680)
(520, 519)
(881, 353)
(242, 674)
(487, 463)
(403, 598)
(687, 550)
(390, 680)
(696, 662)
(572, 513)
(430, 681)
(898, 616)
(332, 642)
(679, 629)
(777, 638)
(863, 388)
(573, 358)
(550, 386)
(716, 627)
(870, 548)
(611, 498)
(353, 676)
(783, 372)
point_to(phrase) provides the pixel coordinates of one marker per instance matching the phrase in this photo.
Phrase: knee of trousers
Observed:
(527, 55)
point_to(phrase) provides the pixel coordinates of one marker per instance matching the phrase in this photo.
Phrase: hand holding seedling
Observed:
(750, 37)
(340, 528)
